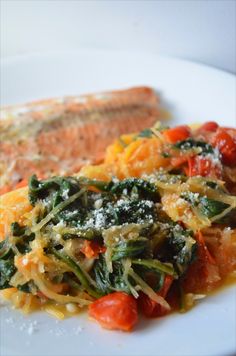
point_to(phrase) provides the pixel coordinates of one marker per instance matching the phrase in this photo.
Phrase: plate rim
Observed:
(170, 59)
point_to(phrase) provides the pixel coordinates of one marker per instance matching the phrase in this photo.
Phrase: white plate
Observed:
(194, 93)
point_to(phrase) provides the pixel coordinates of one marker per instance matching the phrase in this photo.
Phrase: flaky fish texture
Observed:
(59, 136)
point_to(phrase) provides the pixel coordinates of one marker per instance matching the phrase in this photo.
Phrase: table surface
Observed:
(203, 31)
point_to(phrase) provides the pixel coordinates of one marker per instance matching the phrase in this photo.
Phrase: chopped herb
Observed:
(5, 249)
(208, 207)
(122, 142)
(166, 154)
(24, 235)
(190, 143)
(146, 133)
(17, 230)
(7, 270)
(27, 287)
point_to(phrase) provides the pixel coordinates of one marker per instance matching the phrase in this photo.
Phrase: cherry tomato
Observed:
(178, 133)
(149, 307)
(115, 311)
(178, 161)
(226, 145)
(203, 251)
(201, 166)
(203, 273)
(230, 130)
(211, 126)
(5, 189)
(21, 184)
(91, 249)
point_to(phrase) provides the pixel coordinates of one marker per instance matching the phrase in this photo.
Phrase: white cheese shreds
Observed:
(98, 203)
(71, 307)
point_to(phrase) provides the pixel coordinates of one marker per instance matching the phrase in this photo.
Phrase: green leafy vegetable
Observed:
(154, 264)
(142, 243)
(24, 237)
(7, 269)
(166, 154)
(208, 207)
(76, 269)
(99, 184)
(27, 287)
(146, 133)
(57, 189)
(229, 219)
(183, 248)
(17, 230)
(74, 233)
(143, 187)
(109, 282)
(5, 249)
(190, 143)
(127, 201)
(130, 248)
(123, 144)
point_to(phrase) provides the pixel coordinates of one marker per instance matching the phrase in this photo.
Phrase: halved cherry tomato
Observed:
(91, 249)
(150, 308)
(201, 166)
(203, 273)
(115, 311)
(21, 184)
(178, 133)
(226, 145)
(230, 130)
(211, 126)
(5, 189)
(203, 250)
(178, 161)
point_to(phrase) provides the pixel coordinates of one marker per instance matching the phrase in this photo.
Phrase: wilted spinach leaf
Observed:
(7, 269)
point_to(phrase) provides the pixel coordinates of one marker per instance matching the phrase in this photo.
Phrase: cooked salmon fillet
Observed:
(58, 136)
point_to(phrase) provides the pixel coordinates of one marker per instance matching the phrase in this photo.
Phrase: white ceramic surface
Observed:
(193, 93)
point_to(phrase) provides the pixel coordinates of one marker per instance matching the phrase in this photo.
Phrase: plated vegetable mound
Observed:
(150, 230)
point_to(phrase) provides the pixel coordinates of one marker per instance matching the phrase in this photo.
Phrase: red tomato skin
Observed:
(8, 188)
(91, 249)
(199, 276)
(22, 184)
(115, 311)
(178, 133)
(203, 250)
(200, 166)
(5, 190)
(150, 308)
(226, 145)
(178, 161)
(211, 126)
